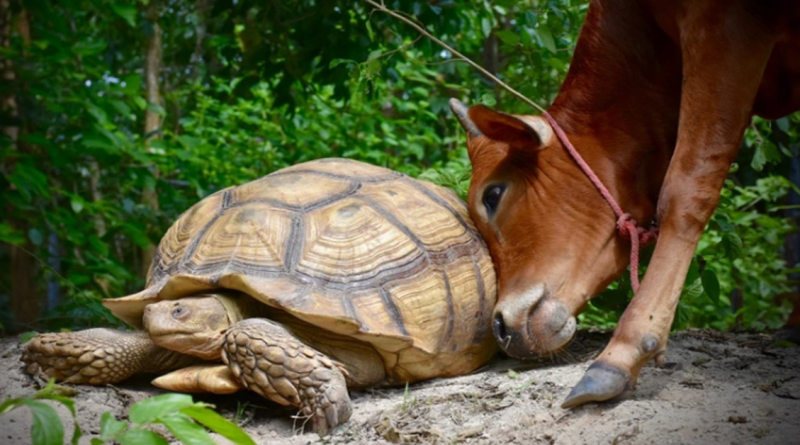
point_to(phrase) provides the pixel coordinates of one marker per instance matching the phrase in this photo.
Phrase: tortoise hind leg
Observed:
(97, 356)
(212, 378)
(269, 360)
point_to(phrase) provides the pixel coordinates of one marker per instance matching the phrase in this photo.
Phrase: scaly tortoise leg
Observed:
(213, 378)
(98, 356)
(269, 360)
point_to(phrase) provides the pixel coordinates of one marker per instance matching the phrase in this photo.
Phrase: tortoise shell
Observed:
(351, 248)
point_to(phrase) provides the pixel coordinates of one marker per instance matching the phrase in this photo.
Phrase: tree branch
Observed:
(458, 55)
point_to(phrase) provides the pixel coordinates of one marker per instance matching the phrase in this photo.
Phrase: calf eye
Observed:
(491, 198)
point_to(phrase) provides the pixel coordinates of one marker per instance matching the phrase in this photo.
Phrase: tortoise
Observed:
(328, 275)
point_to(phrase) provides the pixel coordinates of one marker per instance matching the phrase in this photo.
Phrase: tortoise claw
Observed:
(601, 382)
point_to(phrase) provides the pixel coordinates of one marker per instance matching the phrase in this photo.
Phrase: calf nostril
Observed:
(499, 327)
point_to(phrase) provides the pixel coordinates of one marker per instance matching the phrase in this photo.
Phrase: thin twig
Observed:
(401, 48)
(423, 31)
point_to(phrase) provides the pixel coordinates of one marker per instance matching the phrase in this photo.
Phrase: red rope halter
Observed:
(626, 226)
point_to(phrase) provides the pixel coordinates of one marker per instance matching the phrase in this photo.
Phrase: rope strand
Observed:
(626, 226)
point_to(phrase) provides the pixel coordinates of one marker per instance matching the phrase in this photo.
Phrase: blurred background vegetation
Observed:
(117, 115)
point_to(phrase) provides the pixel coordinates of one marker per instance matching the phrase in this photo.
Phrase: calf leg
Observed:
(722, 67)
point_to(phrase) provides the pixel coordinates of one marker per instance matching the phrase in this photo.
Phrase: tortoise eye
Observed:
(178, 311)
(491, 198)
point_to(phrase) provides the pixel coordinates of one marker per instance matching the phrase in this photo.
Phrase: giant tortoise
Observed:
(322, 276)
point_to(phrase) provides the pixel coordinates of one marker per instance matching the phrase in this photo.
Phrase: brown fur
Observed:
(656, 101)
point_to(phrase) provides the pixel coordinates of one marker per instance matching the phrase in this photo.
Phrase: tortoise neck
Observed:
(240, 306)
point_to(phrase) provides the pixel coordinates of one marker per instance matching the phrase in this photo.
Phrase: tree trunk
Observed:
(152, 119)
(25, 303)
(491, 61)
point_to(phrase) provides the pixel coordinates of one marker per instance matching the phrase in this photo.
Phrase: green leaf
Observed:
(336, 62)
(151, 409)
(732, 245)
(110, 427)
(546, 38)
(121, 107)
(77, 204)
(783, 124)
(374, 55)
(25, 337)
(218, 424)
(157, 109)
(508, 37)
(693, 290)
(711, 285)
(96, 140)
(489, 100)
(186, 431)
(127, 12)
(89, 47)
(30, 181)
(9, 405)
(10, 235)
(98, 113)
(765, 153)
(369, 32)
(138, 436)
(486, 27)
(47, 428)
(140, 102)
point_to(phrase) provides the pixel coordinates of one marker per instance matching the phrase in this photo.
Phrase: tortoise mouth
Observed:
(205, 345)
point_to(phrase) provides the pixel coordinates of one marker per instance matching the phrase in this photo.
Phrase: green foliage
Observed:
(185, 419)
(254, 86)
(47, 428)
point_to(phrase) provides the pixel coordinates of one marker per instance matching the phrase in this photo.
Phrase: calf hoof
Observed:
(600, 383)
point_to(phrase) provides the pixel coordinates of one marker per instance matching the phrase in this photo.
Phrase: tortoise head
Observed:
(192, 325)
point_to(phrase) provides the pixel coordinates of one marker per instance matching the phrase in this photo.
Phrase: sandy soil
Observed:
(715, 389)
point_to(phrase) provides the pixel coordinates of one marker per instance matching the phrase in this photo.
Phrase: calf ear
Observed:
(524, 132)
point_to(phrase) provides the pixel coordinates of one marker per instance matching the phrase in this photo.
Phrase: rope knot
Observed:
(627, 226)
(624, 222)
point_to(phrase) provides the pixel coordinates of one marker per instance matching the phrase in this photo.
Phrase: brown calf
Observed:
(656, 101)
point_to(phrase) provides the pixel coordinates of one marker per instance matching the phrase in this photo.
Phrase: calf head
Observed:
(551, 235)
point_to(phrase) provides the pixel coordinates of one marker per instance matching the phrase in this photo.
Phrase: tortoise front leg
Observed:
(269, 360)
(98, 356)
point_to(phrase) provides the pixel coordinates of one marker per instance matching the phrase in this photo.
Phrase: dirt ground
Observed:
(714, 389)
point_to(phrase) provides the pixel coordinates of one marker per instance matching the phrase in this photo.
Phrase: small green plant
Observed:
(47, 428)
(182, 416)
(408, 400)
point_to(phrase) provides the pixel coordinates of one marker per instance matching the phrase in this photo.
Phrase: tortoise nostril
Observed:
(499, 327)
